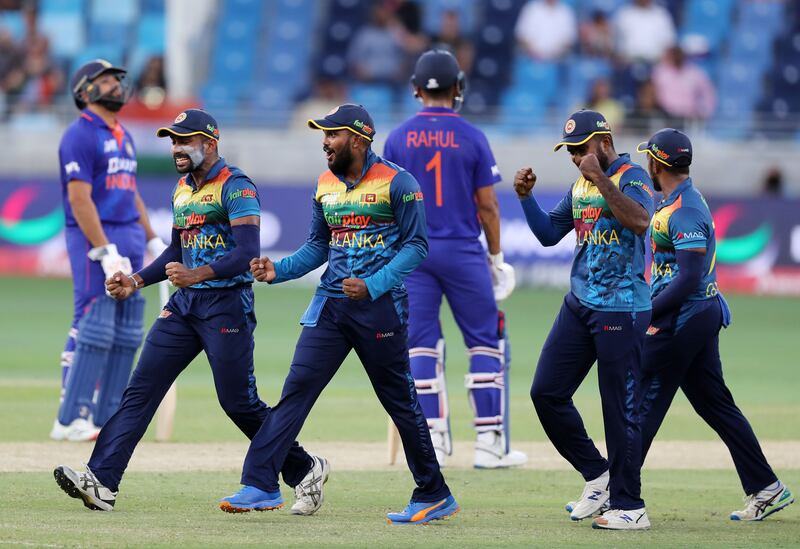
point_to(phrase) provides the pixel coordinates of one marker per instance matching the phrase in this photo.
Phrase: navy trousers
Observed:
(376, 330)
(579, 337)
(220, 322)
(689, 359)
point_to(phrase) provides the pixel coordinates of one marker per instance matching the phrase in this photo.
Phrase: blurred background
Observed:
(725, 71)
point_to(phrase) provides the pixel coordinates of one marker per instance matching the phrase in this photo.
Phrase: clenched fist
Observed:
(524, 180)
(263, 269)
(590, 168)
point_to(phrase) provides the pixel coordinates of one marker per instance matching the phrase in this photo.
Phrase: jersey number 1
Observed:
(436, 165)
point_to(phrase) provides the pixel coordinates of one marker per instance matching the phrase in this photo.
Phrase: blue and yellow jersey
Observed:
(203, 215)
(373, 229)
(608, 269)
(683, 221)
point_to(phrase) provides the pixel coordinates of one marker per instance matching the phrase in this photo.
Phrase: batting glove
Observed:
(156, 247)
(503, 277)
(110, 260)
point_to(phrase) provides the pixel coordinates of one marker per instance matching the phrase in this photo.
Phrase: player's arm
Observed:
(489, 214)
(312, 254)
(689, 234)
(548, 227)
(410, 217)
(635, 211)
(79, 194)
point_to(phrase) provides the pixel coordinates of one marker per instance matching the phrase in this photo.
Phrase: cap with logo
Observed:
(349, 116)
(669, 146)
(581, 127)
(191, 122)
(83, 77)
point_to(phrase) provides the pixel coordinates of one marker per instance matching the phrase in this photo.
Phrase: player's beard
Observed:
(656, 184)
(341, 160)
(195, 156)
(602, 159)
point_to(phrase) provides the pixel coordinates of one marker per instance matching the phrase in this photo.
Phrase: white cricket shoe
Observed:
(594, 497)
(621, 519)
(571, 505)
(80, 430)
(85, 486)
(308, 493)
(490, 452)
(762, 504)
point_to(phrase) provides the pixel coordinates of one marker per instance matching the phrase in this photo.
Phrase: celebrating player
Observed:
(682, 344)
(604, 317)
(216, 215)
(106, 230)
(456, 170)
(368, 224)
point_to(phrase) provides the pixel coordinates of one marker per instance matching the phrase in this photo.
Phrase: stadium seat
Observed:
(376, 98)
(65, 31)
(521, 111)
(110, 52)
(62, 6)
(434, 9)
(109, 33)
(150, 33)
(536, 77)
(710, 19)
(118, 11)
(12, 21)
(153, 7)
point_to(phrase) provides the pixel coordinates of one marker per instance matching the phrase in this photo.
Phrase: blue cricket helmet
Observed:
(83, 77)
(438, 70)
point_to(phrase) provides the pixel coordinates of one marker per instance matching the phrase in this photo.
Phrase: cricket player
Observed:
(368, 224)
(604, 317)
(216, 213)
(106, 230)
(682, 344)
(457, 172)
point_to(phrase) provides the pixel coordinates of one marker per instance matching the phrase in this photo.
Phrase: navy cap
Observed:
(581, 127)
(192, 122)
(347, 117)
(437, 70)
(88, 72)
(669, 146)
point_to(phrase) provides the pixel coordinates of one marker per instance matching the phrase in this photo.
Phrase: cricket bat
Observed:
(393, 442)
(166, 410)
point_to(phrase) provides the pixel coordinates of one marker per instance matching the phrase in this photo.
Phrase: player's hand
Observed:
(590, 168)
(180, 276)
(524, 180)
(156, 247)
(119, 286)
(503, 276)
(355, 288)
(263, 269)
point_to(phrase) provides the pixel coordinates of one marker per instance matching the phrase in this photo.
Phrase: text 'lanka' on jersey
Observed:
(373, 229)
(451, 160)
(683, 221)
(104, 157)
(203, 217)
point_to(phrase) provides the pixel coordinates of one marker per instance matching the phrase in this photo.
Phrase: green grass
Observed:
(757, 350)
(499, 508)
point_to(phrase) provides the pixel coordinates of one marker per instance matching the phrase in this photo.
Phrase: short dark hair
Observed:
(438, 93)
(677, 170)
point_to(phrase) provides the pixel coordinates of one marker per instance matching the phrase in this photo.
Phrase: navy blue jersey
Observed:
(105, 157)
(451, 160)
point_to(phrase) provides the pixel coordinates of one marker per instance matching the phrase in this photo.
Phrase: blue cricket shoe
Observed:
(422, 512)
(250, 498)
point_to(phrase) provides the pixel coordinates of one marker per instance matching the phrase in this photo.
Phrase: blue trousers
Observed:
(377, 332)
(579, 337)
(689, 359)
(458, 270)
(220, 322)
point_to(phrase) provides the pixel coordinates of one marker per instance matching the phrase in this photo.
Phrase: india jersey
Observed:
(203, 216)
(608, 269)
(683, 221)
(373, 230)
(451, 160)
(104, 157)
